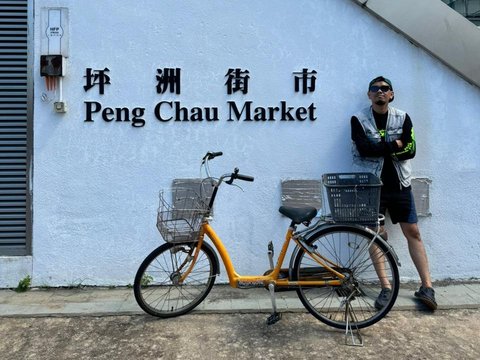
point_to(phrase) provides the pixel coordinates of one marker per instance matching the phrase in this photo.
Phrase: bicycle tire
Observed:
(349, 247)
(156, 287)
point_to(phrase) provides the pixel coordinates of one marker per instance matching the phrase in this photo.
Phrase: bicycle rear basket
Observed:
(180, 220)
(353, 197)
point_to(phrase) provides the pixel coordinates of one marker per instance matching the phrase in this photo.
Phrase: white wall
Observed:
(95, 184)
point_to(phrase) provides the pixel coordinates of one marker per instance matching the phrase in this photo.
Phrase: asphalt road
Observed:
(446, 334)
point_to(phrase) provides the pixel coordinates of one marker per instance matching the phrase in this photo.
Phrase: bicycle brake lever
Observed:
(232, 177)
(238, 186)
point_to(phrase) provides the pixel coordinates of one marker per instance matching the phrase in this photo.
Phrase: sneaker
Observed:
(382, 299)
(427, 296)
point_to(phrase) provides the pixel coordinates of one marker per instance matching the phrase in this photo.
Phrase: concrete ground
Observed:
(92, 323)
(222, 298)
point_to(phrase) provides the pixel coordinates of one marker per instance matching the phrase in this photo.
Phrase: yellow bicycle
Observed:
(337, 269)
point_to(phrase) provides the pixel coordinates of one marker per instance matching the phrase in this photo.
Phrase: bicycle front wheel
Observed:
(368, 265)
(167, 285)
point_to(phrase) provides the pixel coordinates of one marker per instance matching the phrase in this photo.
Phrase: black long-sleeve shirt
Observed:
(389, 150)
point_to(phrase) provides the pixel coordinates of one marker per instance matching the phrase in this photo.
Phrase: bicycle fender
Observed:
(384, 242)
(331, 227)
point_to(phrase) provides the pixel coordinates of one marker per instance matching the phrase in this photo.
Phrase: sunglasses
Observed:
(375, 88)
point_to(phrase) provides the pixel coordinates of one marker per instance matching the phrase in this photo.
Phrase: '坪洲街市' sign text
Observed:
(175, 111)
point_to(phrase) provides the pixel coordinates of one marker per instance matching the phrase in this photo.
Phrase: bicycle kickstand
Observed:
(349, 331)
(275, 316)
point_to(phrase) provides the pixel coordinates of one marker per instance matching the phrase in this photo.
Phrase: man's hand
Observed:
(399, 143)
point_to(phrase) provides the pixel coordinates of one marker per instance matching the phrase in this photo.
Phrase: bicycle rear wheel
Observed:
(368, 267)
(158, 285)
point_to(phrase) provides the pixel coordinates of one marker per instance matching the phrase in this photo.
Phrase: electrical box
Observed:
(52, 65)
(54, 31)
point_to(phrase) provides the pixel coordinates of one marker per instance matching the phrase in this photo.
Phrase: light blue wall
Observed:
(95, 184)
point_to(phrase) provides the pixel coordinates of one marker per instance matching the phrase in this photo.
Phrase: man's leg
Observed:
(379, 261)
(417, 252)
(419, 256)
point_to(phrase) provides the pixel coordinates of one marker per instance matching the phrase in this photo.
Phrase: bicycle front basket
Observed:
(181, 221)
(202, 190)
(353, 197)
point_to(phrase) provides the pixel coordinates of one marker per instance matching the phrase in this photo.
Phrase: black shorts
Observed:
(400, 205)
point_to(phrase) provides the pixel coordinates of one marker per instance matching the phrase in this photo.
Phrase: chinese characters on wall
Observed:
(169, 81)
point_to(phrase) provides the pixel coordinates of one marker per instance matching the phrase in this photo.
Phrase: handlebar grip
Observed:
(244, 177)
(211, 155)
(215, 154)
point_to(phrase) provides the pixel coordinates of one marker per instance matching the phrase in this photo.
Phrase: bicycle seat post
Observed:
(270, 254)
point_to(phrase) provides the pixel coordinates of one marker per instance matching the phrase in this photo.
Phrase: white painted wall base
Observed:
(14, 269)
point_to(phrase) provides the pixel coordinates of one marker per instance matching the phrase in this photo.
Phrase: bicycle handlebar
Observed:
(235, 175)
(245, 177)
(231, 177)
(211, 155)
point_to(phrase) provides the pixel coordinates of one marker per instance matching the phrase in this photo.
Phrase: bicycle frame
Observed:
(236, 280)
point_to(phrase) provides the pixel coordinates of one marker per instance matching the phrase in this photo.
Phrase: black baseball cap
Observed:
(381, 78)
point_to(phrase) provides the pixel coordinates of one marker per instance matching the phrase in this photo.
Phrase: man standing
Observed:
(383, 144)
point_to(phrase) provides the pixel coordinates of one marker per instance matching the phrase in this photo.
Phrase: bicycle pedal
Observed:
(274, 318)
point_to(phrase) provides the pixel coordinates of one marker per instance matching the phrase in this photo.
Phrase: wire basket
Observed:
(202, 189)
(353, 197)
(180, 220)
